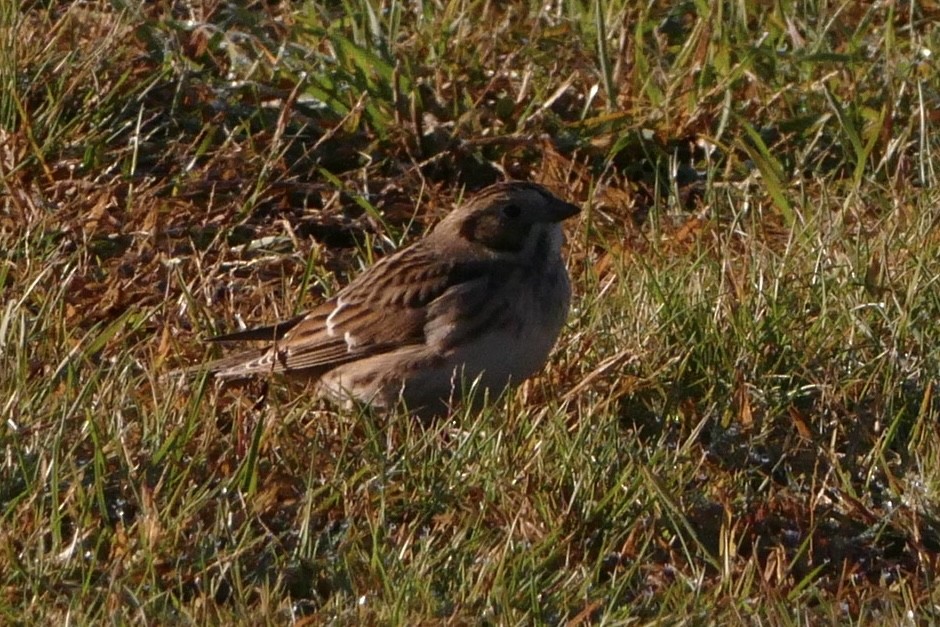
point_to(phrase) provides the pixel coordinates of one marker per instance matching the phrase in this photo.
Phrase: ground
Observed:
(739, 422)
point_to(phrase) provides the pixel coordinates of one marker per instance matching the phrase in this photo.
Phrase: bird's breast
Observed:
(522, 326)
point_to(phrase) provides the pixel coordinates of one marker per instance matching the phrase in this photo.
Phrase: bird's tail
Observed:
(240, 365)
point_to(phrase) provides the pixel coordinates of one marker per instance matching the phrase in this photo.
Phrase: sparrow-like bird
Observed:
(481, 298)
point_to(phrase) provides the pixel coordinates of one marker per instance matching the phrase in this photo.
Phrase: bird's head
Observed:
(509, 217)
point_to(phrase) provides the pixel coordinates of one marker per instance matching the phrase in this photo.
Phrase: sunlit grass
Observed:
(738, 424)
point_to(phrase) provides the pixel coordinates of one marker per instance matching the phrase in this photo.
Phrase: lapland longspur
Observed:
(481, 298)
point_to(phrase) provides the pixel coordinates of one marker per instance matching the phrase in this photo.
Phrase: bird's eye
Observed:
(512, 211)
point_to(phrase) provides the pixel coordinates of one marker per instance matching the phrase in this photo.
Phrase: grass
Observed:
(738, 425)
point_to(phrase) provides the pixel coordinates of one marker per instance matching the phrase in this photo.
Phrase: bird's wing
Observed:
(385, 308)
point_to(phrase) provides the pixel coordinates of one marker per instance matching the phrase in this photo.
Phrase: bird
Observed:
(479, 301)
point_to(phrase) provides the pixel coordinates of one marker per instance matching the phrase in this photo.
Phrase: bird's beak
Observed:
(562, 210)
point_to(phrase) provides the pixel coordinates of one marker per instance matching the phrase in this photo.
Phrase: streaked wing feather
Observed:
(378, 312)
(470, 308)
